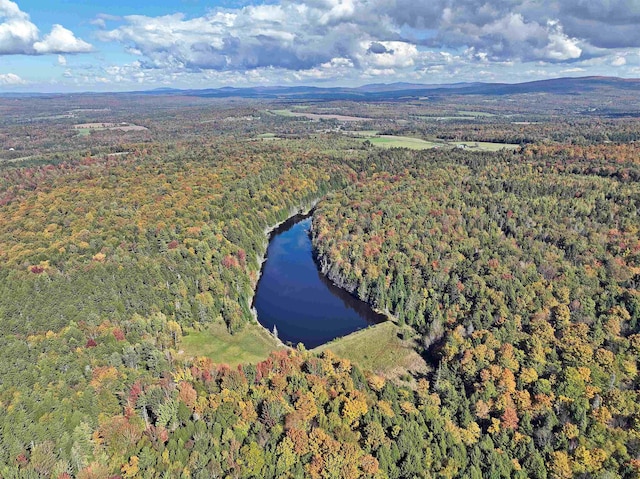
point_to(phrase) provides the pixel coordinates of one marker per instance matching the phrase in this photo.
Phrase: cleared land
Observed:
(485, 146)
(317, 117)
(378, 349)
(267, 136)
(387, 141)
(446, 118)
(251, 345)
(475, 113)
(84, 128)
(390, 141)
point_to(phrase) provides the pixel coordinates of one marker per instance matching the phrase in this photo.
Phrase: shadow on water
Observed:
(361, 308)
(296, 298)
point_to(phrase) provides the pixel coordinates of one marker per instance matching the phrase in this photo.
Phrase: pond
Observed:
(298, 299)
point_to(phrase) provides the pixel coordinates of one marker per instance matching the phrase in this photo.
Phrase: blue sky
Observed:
(80, 45)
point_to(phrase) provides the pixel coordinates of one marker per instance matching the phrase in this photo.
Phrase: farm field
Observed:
(317, 116)
(85, 129)
(391, 141)
(486, 146)
(387, 141)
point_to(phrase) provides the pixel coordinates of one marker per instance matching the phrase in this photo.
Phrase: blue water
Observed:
(303, 304)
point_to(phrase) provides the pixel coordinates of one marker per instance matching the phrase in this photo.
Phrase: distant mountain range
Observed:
(382, 91)
(561, 86)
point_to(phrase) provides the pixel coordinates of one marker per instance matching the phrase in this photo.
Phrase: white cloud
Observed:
(61, 40)
(388, 54)
(288, 41)
(99, 22)
(335, 69)
(18, 35)
(340, 10)
(560, 46)
(303, 35)
(11, 79)
(62, 61)
(513, 28)
(379, 72)
(291, 35)
(619, 61)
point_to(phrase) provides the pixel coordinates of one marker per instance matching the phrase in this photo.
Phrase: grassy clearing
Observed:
(267, 137)
(251, 345)
(282, 112)
(316, 116)
(378, 349)
(447, 118)
(485, 146)
(475, 113)
(387, 141)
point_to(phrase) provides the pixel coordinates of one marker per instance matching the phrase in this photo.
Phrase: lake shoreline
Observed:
(299, 298)
(302, 212)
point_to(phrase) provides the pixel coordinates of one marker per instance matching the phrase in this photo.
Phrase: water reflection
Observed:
(300, 301)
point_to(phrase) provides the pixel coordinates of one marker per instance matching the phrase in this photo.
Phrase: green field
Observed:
(267, 137)
(446, 118)
(251, 345)
(288, 113)
(378, 349)
(474, 113)
(387, 141)
(486, 146)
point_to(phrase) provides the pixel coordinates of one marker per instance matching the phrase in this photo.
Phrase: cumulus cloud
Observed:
(507, 35)
(18, 35)
(11, 79)
(302, 35)
(600, 23)
(292, 35)
(296, 40)
(61, 40)
(334, 69)
(559, 46)
(388, 54)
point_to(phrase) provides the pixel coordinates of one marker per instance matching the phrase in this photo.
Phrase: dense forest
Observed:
(179, 232)
(521, 274)
(106, 259)
(516, 271)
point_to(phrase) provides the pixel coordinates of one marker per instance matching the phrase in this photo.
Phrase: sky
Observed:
(123, 45)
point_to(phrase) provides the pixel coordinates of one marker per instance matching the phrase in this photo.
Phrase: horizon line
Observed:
(333, 87)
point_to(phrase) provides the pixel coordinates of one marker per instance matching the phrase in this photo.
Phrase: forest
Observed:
(515, 272)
